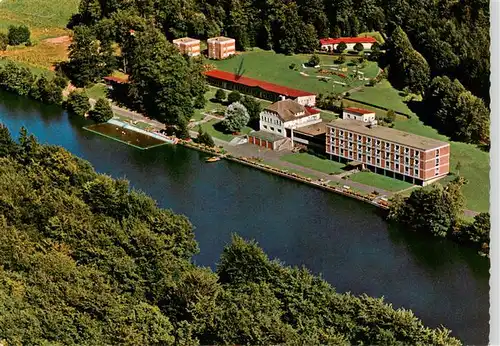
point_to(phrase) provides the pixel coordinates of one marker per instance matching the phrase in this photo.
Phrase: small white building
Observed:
(359, 114)
(287, 115)
(330, 44)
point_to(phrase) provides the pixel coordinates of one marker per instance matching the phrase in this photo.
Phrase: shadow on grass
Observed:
(219, 128)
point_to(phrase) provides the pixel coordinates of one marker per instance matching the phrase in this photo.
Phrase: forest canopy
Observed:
(86, 260)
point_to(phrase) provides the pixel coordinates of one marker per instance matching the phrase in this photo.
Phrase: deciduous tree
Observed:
(235, 118)
(78, 103)
(102, 111)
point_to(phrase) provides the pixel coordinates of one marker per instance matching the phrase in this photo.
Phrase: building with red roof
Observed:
(360, 114)
(330, 44)
(258, 88)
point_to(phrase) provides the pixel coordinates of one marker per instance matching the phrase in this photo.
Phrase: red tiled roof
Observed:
(277, 89)
(115, 79)
(358, 110)
(346, 40)
(312, 110)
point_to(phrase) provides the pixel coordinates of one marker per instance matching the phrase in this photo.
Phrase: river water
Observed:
(344, 240)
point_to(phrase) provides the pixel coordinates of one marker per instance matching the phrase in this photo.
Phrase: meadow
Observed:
(275, 68)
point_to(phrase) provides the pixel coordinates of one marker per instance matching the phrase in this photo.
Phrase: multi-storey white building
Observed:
(359, 114)
(283, 116)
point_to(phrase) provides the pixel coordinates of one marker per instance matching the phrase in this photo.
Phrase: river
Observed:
(344, 240)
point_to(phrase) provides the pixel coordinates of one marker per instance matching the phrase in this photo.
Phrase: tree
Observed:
(342, 46)
(18, 34)
(358, 47)
(314, 60)
(78, 103)
(199, 102)
(4, 41)
(341, 59)
(220, 95)
(183, 129)
(18, 80)
(436, 210)
(390, 116)
(7, 145)
(478, 232)
(102, 111)
(89, 59)
(375, 52)
(205, 138)
(234, 96)
(160, 79)
(254, 108)
(236, 117)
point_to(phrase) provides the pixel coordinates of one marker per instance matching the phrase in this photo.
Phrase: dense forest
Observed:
(87, 261)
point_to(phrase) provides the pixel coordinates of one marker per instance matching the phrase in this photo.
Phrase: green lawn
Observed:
(313, 162)
(383, 95)
(209, 106)
(37, 13)
(274, 68)
(97, 91)
(34, 69)
(475, 164)
(379, 181)
(211, 128)
(328, 116)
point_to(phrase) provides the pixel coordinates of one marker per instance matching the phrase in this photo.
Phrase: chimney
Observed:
(282, 98)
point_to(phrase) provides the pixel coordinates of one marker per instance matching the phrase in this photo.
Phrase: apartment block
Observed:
(221, 47)
(188, 46)
(401, 155)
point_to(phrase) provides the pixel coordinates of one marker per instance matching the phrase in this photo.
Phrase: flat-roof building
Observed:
(402, 155)
(188, 46)
(221, 47)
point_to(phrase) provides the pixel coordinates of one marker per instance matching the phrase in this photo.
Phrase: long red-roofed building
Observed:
(259, 88)
(330, 44)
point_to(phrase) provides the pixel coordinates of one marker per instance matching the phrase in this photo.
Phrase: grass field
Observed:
(97, 91)
(383, 95)
(379, 181)
(44, 14)
(209, 106)
(313, 162)
(274, 68)
(211, 128)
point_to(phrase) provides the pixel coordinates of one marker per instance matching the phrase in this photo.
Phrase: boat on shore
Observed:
(213, 159)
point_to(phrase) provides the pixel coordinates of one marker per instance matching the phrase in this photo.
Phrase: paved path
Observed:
(272, 157)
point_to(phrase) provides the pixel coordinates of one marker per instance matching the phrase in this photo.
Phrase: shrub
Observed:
(292, 66)
(102, 111)
(4, 41)
(390, 116)
(18, 34)
(358, 47)
(220, 95)
(342, 46)
(314, 60)
(205, 138)
(78, 103)
(234, 96)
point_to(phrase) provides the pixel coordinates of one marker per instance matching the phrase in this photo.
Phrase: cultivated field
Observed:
(275, 68)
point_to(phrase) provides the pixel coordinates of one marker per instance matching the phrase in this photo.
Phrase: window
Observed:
(437, 152)
(416, 162)
(350, 154)
(350, 145)
(417, 153)
(378, 143)
(407, 150)
(437, 171)
(407, 160)
(341, 151)
(387, 164)
(407, 170)
(350, 135)
(397, 148)
(437, 162)
(368, 149)
(272, 128)
(387, 156)
(369, 159)
(359, 156)
(342, 142)
(396, 157)
(396, 166)
(359, 139)
(416, 172)
(378, 152)
(341, 132)
(265, 126)
(360, 147)
(378, 161)
(368, 140)
(279, 130)
(387, 145)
